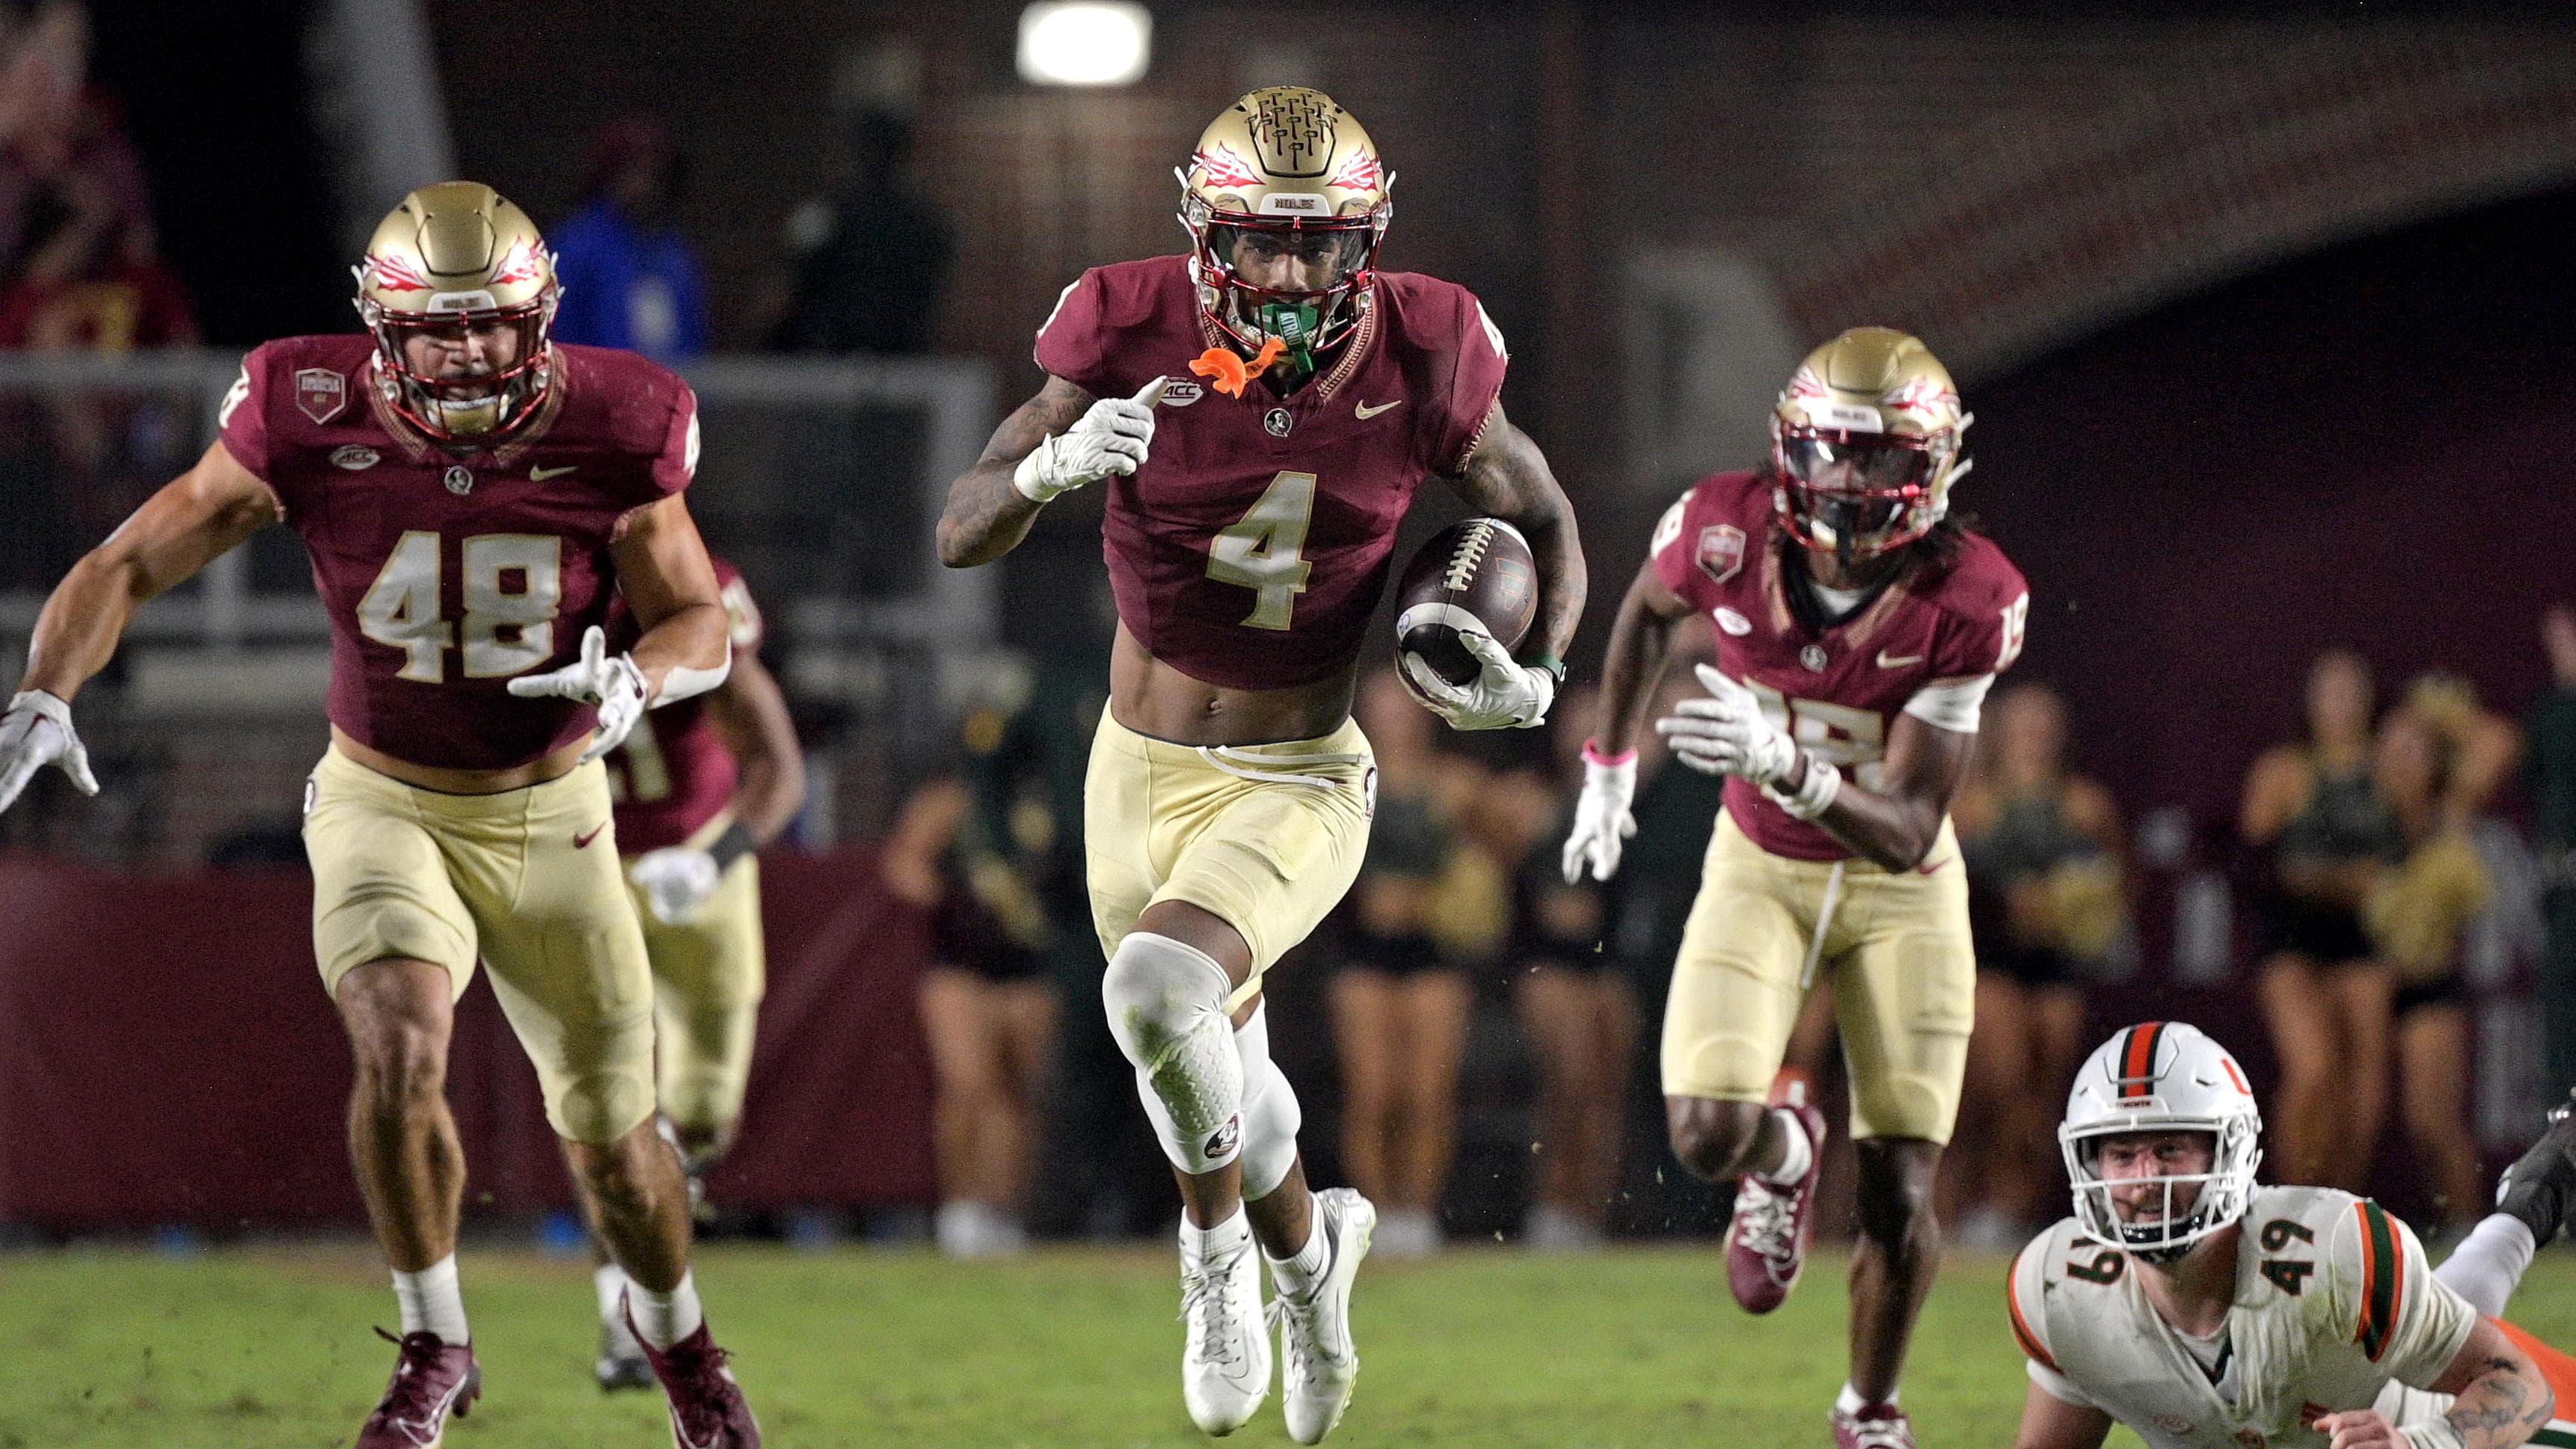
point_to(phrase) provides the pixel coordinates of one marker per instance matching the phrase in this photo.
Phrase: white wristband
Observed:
(680, 681)
(1815, 793)
(1031, 476)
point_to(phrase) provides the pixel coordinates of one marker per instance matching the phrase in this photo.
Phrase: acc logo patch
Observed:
(1731, 621)
(1180, 394)
(2173, 1424)
(355, 456)
(320, 393)
(1720, 554)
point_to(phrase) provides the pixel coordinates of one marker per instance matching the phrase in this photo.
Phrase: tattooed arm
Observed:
(986, 516)
(2499, 1400)
(1507, 477)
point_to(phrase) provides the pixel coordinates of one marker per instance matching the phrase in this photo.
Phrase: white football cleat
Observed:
(1321, 1361)
(1225, 1362)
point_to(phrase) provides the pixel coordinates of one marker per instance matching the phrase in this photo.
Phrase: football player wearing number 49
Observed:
(1858, 629)
(1260, 413)
(471, 494)
(2207, 1312)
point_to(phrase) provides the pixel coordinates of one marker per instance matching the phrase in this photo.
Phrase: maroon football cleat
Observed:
(1880, 1426)
(707, 1407)
(1766, 1246)
(432, 1378)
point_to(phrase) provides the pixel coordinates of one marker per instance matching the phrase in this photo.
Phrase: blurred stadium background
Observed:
(2265, 317)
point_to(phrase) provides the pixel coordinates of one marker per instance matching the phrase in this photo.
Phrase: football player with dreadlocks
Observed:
(2207, 1312)
(473, 494)
(1858, 628)
(1260, 413)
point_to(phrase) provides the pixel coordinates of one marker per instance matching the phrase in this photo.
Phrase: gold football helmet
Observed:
(453, 260)
(1865, 444)
(1285, 168)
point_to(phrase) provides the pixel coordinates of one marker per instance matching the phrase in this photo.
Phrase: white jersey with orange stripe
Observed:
(2335, 1306)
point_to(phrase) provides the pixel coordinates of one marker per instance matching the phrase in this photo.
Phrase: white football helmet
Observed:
(2162, 1076)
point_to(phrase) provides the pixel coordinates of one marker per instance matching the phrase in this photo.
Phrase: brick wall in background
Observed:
(2006, 183)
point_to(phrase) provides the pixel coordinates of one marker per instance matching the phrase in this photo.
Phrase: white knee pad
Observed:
(1166, 1005)
(1270, 1112)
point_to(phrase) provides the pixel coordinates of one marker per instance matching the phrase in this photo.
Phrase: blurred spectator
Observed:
(629, 280)
(2325, 831)
(90, 282)
(870, 260)
(1577, 1006)
(2441, 759)
(968, 849)
(1425, 907)
(56, 134)
(2551, 784)
(2042, 852)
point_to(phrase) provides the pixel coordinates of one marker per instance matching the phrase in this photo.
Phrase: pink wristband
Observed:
(1592, 754)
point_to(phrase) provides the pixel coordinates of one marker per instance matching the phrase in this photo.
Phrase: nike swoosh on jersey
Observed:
(1897, 661)
(1366, 412)
(539, 475)
(582, 842)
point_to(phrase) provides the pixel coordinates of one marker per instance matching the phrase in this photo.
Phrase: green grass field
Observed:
(1073, 1347)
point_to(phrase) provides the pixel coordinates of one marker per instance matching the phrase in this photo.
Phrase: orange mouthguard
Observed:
(1228, 373)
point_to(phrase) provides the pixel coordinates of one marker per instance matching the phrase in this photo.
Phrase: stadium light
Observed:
(1084, 43)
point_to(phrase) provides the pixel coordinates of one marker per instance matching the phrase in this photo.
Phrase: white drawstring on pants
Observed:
(1824, 922)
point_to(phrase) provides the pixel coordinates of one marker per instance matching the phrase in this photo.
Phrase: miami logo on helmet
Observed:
(1219, 166)
(1359, 173)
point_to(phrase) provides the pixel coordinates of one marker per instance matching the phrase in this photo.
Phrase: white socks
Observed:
(1297, 1274)
(2488, 1264)
(610, 1280)
(1206, 1244)
(1797, 1157)
(1849, 1401)
(431, 1303)
(663, 1319)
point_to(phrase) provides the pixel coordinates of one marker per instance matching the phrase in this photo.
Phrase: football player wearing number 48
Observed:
(1858, 629)
(1260, 414)
(471, 494)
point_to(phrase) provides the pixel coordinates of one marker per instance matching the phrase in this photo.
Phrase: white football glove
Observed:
(677, 882)
(36, 732)
(1505, 695)
(1111, 438)
(1602, 823)
(1725, 733)
(610, 681)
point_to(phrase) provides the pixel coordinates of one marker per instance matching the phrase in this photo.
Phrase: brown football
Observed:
(1477, 575)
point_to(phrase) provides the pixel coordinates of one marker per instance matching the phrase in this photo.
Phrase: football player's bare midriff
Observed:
(462, 782)
(1153, 698)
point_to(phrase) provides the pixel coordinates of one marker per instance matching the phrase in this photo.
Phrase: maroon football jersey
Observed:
(445, 575)
(1251, 547)
(1838, 691)
(674, 773)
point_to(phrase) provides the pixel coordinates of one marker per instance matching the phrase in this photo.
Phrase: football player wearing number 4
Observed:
(2207, 1312)
(470, 493)
(1858, 630)
(1247, 530)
